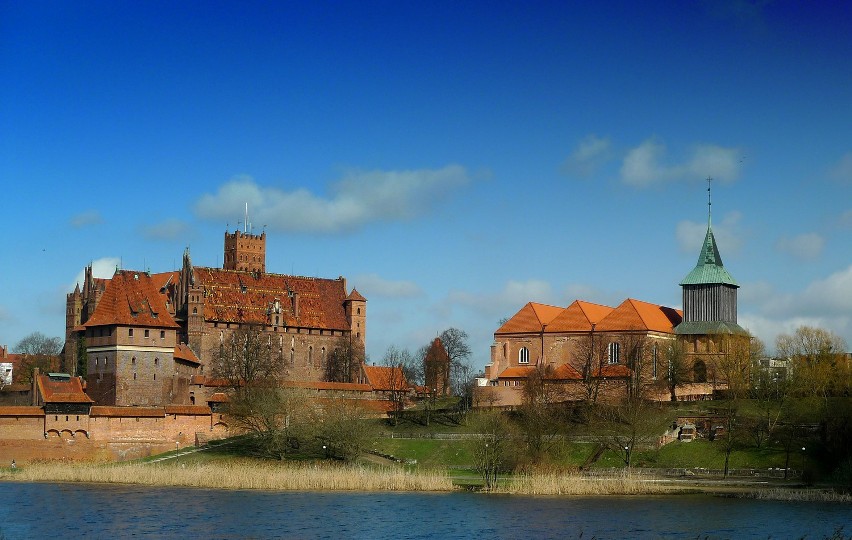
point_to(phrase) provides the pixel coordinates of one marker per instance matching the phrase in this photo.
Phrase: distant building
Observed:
(143, 336)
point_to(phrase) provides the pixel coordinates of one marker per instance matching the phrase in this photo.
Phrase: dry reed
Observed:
(239, 474)
(818, 495)
(582, 485)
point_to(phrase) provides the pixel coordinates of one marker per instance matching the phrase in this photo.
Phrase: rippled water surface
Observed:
(95, 511)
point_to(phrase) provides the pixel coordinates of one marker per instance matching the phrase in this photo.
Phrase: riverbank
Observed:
(251, 474)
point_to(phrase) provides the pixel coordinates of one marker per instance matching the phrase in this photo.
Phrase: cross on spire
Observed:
(709, 204)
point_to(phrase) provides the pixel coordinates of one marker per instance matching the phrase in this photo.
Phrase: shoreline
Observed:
(286, 476)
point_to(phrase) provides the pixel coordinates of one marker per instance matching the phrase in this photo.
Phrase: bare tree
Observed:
(733, 366)
(589, 360)
(458, 351)
(539, 412)
(344, 361)
(491, 451)
(632, 424)
(411, 367)
(677, 369)
(38, 351)
(397, 386)
(816, 357)
(245, 358)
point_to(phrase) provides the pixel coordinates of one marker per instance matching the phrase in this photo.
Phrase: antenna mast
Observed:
(245, 221)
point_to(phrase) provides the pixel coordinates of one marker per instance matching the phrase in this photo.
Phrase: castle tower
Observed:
(245, 252)
(356, 314)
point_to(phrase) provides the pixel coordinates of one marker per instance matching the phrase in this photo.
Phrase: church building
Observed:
(602, 352)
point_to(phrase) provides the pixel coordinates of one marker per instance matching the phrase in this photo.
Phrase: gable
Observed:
(578, 317)
(530, 318)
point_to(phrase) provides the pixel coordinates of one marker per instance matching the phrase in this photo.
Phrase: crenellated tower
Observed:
(245, 252)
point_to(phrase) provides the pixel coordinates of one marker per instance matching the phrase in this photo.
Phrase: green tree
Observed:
(342, 429)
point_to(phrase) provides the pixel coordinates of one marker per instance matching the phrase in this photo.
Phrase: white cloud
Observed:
(505, 302)
(101, 268)
(91, 217)
(690, 234)
(170, 229)
(825, 303)
(842, 170)
(357, 199)
(803, 246)
(645, 165)
(372, 285)
(591, 153)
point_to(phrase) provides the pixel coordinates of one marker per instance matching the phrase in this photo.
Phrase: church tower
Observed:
(709, 292)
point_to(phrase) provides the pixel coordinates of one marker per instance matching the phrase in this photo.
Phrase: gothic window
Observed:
(524, 356)
(613, 352)
(310, 356)
(156, 361)
(130, 332)
(292, 356)
(146, 332)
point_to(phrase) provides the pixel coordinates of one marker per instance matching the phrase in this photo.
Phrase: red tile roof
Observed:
(219, 397)
(517, 372)
(637, 315)
(530, 318)
(323, 385)
(386, 378)
(18, 410)
(62, 391)
(188, 410)
(246, 297)
(355, 295)
(128, 412)
(578, 317)
(183, 352)
(131, 299)
(612, 370)
(565, 372)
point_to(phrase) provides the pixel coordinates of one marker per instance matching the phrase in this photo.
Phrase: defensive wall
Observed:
(106, 433)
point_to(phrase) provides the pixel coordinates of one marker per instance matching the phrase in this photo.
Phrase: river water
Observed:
(97, 511)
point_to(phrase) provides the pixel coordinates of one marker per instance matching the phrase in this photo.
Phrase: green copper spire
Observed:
(709, 269)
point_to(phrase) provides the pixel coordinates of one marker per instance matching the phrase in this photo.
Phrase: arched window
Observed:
(292, 356)
(613, 352)
(699, 371)
(311, 355)
(524, 356)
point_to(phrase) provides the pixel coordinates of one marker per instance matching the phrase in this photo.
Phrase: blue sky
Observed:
(453, 160)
